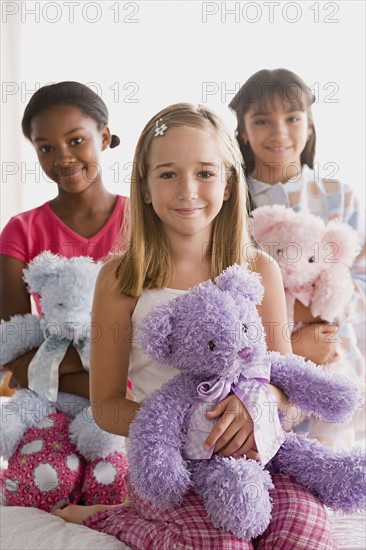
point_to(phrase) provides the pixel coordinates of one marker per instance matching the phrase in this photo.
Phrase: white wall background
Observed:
(142, 56)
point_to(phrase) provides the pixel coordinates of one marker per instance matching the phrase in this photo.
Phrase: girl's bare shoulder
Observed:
(263, 264)
(106, 285)
(106, 279)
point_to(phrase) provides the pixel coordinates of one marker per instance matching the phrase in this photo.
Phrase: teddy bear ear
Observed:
(340, 242)
(265, 219)
(155, 332)
(239, 281)
(41, 268)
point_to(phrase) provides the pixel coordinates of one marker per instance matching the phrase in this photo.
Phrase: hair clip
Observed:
(159, 130)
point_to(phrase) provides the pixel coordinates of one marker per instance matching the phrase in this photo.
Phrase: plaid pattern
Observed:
(299, 522)
(329, 199)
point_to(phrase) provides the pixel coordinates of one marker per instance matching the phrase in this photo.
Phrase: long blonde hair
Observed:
(147, 261)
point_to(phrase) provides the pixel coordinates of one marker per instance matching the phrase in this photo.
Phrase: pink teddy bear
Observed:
(314, 258)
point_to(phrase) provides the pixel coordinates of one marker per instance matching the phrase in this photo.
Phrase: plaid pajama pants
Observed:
(299, 522)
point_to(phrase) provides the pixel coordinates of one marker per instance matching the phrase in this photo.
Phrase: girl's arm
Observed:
(273, 312)
(15, 300)
(13, 291)
(317, 342)
(109, 354)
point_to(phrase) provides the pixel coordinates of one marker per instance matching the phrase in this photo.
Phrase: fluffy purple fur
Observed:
(336, 478)
(241, 283)
(332, 398)
(235, 492)
(158, 470)
(218, 479)
(177, 333)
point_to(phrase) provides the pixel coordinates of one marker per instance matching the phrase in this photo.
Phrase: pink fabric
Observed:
(299, 522)
(105, 480)
(47, 471)
(30, 233)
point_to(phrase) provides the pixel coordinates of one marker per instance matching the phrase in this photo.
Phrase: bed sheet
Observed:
(349, 530)
(33, 529)
(30, 529)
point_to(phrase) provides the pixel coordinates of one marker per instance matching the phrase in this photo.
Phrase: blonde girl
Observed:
(188, 223)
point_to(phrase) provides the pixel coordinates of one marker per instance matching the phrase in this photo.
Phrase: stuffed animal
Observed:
(66, 289)
(315, 260)
(314, 257)
(55, 451)
(214, 337)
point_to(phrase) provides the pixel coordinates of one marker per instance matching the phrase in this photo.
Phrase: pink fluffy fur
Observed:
(314, 257)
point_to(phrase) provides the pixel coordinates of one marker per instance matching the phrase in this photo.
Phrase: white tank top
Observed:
(143, 372)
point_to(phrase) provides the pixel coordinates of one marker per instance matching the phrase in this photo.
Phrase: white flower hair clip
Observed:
(160, 128)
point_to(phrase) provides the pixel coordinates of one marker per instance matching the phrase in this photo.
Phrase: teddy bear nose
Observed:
(245, 353)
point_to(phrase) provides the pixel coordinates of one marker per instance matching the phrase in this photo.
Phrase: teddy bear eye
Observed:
(244, 329)
(211, 345)
(311, 260)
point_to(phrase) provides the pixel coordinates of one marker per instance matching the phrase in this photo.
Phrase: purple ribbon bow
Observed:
(252, 390)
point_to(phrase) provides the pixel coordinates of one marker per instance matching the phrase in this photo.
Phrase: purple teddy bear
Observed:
(214, 336)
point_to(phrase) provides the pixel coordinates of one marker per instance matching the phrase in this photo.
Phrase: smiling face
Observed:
(186, 181)
(277, 135)
(69, 145)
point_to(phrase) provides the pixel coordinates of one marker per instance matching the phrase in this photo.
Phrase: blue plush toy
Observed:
(66, 288)
(214, 336)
